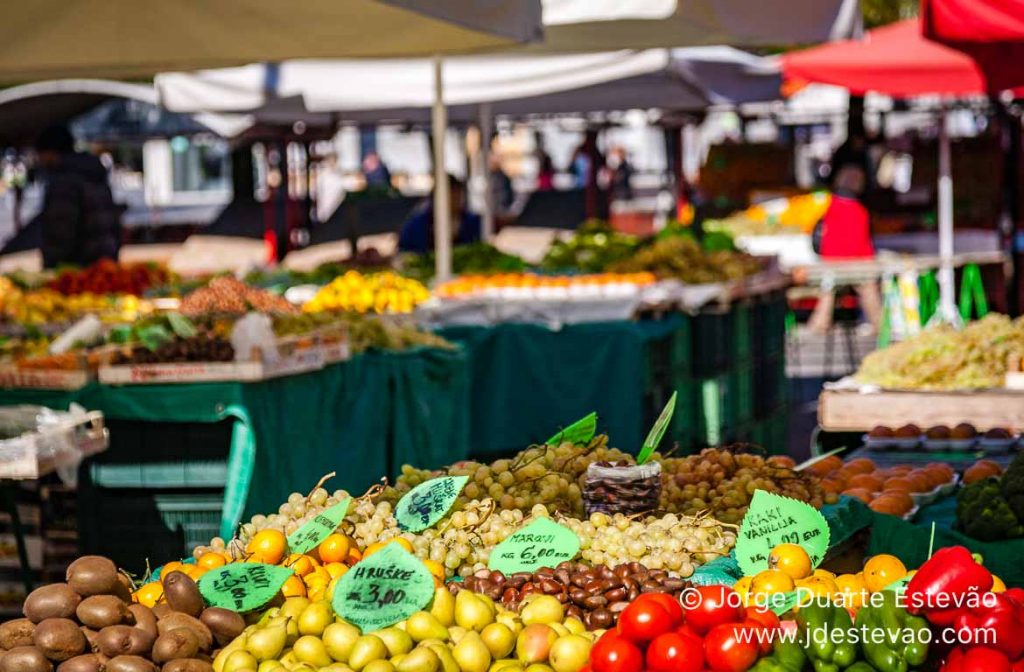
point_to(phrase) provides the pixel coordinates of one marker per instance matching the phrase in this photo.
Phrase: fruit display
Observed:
(228, 295)
(42, 307)
(474, 259)
(891, 490)
(385, 292)
(110, 277)
(544, 287)
(943, 358)
(591, 249)
(991, 507)
(783, 216)
(681, 258)
(595, 595)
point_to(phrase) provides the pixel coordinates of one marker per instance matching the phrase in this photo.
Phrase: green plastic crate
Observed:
(683, 348)
(743, 336)
(177, 474)
(742, 393)
(197, 516)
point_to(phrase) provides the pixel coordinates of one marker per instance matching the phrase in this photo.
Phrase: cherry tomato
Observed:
(728, 648)
(717, 605)
(614, 653)
(673, 652)
(644, 620)
(667, 602)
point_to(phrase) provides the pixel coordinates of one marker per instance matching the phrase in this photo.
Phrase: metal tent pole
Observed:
(442, 197)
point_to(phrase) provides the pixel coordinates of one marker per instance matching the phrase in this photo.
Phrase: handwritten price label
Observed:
(772, 520)
(385, 588)
(313, 533)
(243, 586)
(428, 502)
(542, 543)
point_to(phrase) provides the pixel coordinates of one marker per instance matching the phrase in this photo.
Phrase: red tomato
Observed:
(760, 635)
(727, 648)
(614, 653)
(764, 616)
(717, 605)
(673, 652)
(687, 630)
(667, 602)
(644, 620)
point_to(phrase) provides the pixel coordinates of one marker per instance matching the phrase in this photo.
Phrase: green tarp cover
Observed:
(362, 419)
(529, 380)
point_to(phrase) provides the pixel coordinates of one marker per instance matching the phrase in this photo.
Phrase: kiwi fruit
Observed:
(187, 665)
(25, 659)
(92, 575)
(99, 611)
(124, 587)
(162, 609)
(178, 620)
(182, 593)
(124, 640)
(16, 633)
(179, 643)
(129, 664)
(90, 636)
(142, 618)
(56, 600)
(223, 623)
(59, 639)
(87, 662)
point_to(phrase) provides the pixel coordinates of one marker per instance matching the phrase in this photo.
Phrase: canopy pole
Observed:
(442, 196)
(947, 288)
(486, 130)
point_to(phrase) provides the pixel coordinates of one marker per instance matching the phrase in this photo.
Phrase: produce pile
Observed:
(473, 259)
(890, 490)
(384, 292)
(942, 358)
(109, 277)
(230, 296)
(991, 507)
(42, 307)
(680, 257)
(591, 249)
(529, 285)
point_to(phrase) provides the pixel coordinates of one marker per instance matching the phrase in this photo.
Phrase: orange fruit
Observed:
(906, 502)
(334, 548)
(852, 589)
(862, 494)
(790, 559)
(354, 555)
(771, 581)
(436, 569)
(997, 585)
(867, 481)
(882, 570)
(150, 594)
(193, 571)
(300, 564)
(173, 566)
(374, 547)
(860, 465)
(267, 546)
(211, 560)
(335, 569)
(890, 504)
(293, 587)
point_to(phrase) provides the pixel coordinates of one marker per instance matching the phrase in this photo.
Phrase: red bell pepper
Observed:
(976, 659)
(946, 584)
(997, 621)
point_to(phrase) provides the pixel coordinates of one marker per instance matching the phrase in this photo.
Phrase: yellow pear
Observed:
(471, 612)
(499, 639)
(443, 607)
(472, 654)
(422, 625)
(420, 659)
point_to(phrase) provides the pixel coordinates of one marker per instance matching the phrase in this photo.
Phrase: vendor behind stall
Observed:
(418, 230)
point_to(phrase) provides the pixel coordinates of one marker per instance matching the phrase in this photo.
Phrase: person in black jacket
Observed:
(80, 222)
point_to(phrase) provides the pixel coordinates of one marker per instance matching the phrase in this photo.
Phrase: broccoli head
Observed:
(1012, 486)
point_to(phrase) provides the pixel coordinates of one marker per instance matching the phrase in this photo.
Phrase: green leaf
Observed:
(181, 325)
(122, 333)
(581, 431)
(153, 336)
(658, 431)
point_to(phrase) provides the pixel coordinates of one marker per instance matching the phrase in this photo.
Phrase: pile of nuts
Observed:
(228, 295)
(621, 487)
(594, 595)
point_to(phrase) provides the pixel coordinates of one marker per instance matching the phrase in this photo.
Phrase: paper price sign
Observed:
(772, 520)
(428, 502)
(243, 586)
(385, 588)
(542, 543)
(313, 533)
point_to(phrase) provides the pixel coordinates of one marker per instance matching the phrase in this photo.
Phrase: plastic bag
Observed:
(624, 489)
(254, 334)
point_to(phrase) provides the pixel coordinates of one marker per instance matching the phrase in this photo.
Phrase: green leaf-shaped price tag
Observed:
(581, 431)
(312, 534)
(385, 588)
(428, 502)
(242, 586)
(181, 325)
(542, 543)
(780, 603)
(772, 520)
(899, 585)
(658, 431)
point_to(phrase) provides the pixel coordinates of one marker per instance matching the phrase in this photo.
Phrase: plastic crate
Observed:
(741, 389)
(743, 336)
(712, 342)
(688, 421)
(770, 385)
(195, 516)
(201, 474)
(683, 348)
(769, 325)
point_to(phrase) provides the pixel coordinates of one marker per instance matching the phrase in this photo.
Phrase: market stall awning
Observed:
(381, 89)
(602, 25)
(896, 60)
(989, 31)
(49, 39)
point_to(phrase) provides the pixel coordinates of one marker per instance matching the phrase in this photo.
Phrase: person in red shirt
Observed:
(845, 234)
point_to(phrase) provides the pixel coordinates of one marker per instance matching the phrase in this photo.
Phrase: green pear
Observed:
(472, 654)
(268, 614)
(455, 633)
(559, 629)
(268, 642)
(310, 649)
(365, 650)
(397, 641)
(290, 660)
(471, 612)
(506, 666)
(338, 639)
(499, 639)
(237, 644)
(379, 666)
(315, 618)
(569, 654)
(420, 659)
(292, 628)
(443, 607)
(293, 607)
(271, 666)
(538, 667)
(444, 654)
(422, 625)
(240, 660)
(575, 626)
(511, 621)
(542, 609)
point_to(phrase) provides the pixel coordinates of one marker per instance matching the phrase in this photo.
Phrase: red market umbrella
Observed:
(989, 31)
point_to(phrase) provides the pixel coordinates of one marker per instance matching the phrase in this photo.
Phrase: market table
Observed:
(361, 418)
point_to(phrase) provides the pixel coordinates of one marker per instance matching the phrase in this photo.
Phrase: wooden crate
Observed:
(850, 411)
